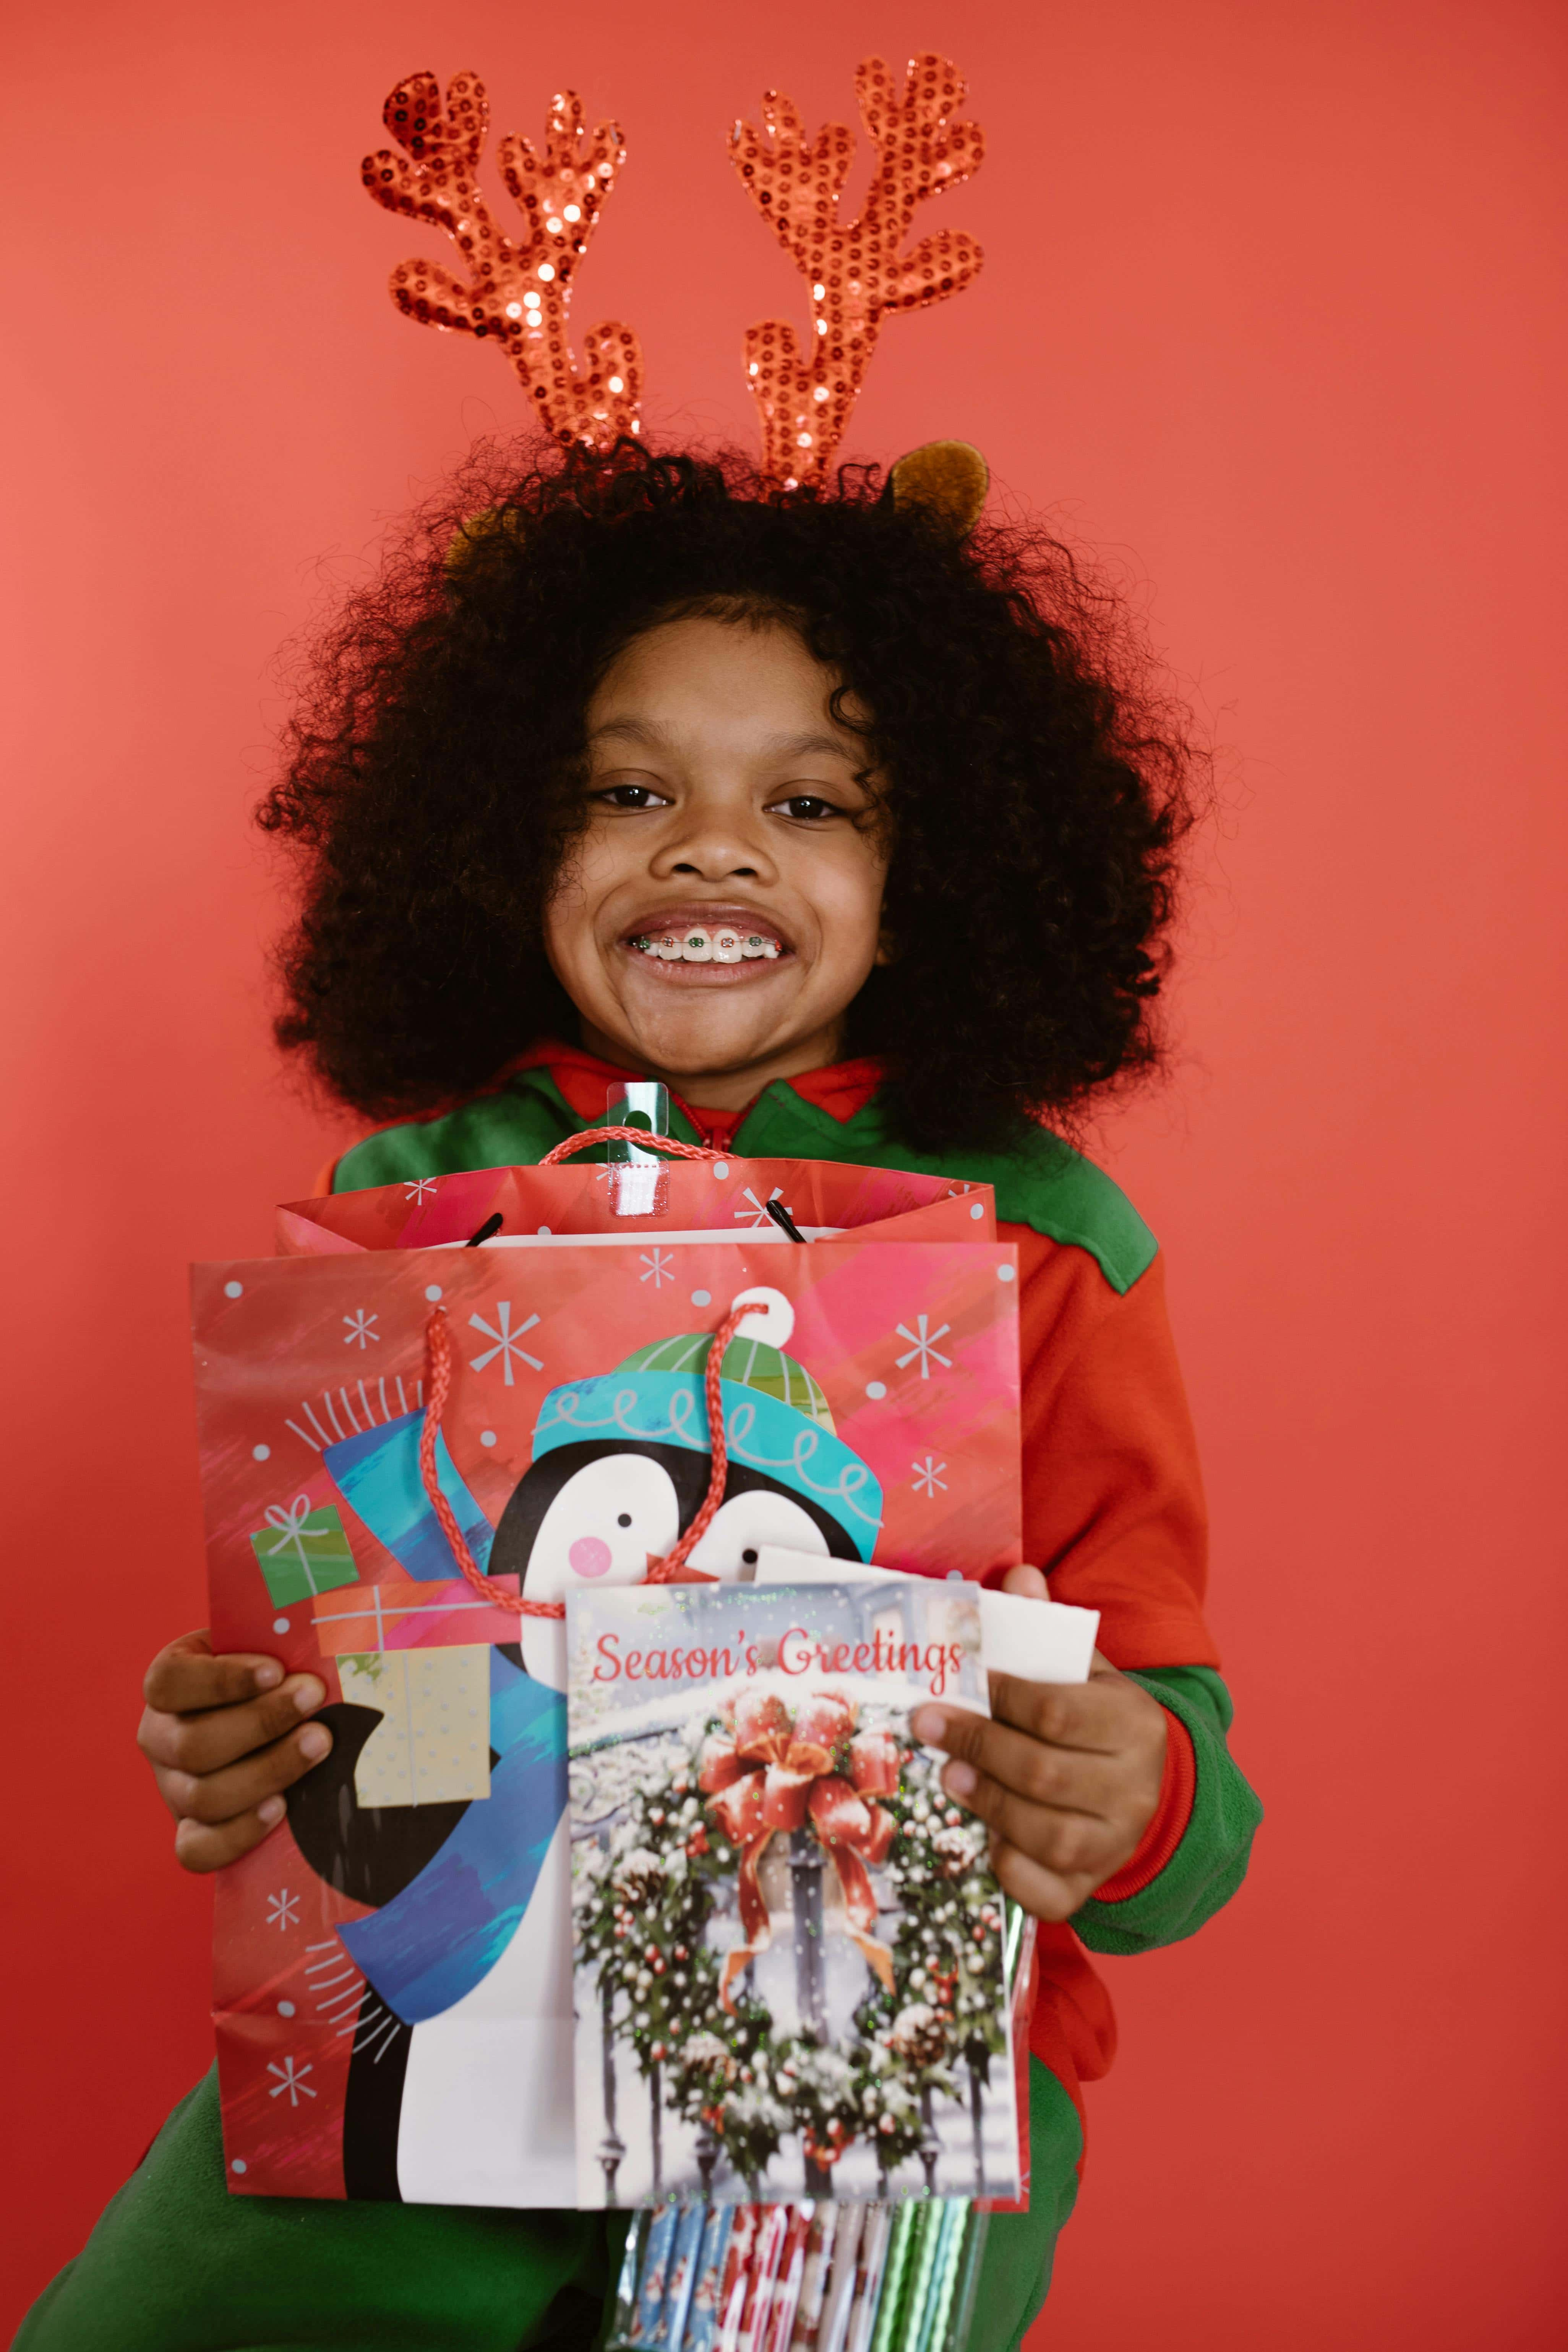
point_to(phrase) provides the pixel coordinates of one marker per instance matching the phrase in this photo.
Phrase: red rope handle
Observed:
(437, 1388)
(672, 1568)
(669, 1143)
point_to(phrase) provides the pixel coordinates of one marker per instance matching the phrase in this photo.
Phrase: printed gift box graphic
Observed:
(392, 1966)
(302, 1551)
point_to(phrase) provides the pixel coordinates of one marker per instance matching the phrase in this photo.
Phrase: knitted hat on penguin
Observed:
(776, 1419)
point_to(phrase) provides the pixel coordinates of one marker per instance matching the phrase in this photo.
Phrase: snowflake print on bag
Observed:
(922, 1343)
(291, 2078)
(506, 1341)
(757, 1214)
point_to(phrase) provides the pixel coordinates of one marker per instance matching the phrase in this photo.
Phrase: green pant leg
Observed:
(176, 2265)
(1015, 2267)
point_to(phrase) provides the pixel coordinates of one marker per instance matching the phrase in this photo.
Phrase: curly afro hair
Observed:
(1037, 786)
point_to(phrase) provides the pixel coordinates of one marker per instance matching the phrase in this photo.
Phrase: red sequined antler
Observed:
(518, 294)
(856, 269)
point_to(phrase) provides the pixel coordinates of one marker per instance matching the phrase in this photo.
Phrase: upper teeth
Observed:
(700, 945)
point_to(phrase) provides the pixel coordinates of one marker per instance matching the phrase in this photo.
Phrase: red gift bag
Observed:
(411, 1450)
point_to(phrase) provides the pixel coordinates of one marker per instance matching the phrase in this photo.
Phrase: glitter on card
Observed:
(856, 269)
(559, 190)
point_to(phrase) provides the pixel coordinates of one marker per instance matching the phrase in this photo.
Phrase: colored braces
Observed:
(699, 946)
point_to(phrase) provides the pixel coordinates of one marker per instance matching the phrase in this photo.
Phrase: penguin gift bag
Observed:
(446, 1407)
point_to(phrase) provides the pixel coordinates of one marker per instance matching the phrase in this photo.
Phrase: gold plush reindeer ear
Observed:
(949, 479)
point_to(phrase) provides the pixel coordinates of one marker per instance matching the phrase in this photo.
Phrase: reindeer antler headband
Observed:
(517, 293)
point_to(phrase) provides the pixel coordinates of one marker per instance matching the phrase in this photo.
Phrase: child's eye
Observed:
(632, 796)
(809, 805)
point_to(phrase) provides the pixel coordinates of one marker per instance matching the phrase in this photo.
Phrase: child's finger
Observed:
(1075, 1779)
(1063, 1842)
(1044, 1893)
(222, 1734)
(186, 1675)
(1092, 1714)
(215, 1797)
(201, 1848)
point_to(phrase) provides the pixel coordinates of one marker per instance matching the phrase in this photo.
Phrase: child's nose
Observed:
(715, 846)
(725, 864)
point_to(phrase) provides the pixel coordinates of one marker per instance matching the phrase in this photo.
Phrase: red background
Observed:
(1271, 314)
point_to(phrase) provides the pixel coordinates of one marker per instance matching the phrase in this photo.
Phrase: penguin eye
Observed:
(598, 1531)
(741, 1527)
(602, 1525)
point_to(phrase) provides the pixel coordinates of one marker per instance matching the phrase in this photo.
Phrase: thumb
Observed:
(1028, 1581)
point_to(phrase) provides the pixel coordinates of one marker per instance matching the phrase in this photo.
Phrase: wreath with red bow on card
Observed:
(643, 1905)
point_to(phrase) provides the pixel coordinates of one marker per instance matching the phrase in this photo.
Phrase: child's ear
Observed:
(886, 953)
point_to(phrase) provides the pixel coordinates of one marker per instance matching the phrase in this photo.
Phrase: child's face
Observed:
(727, 832)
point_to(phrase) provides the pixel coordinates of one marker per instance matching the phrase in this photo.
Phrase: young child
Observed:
(542, 769)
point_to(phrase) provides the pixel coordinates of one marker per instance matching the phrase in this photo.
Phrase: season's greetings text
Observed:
(930, 1662)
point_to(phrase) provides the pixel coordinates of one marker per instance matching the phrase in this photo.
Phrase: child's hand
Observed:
(1066, 1774)
(222, 1736)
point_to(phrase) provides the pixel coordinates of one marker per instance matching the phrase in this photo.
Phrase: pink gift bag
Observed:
(411, 1450)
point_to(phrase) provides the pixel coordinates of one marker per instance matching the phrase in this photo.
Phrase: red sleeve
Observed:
(1113, 1500)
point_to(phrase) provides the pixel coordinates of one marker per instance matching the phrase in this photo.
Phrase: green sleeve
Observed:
(1210, 1863)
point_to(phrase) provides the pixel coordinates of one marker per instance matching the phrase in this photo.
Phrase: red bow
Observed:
(782, 1768)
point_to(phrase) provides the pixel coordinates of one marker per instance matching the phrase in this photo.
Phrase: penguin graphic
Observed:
(459, 2087)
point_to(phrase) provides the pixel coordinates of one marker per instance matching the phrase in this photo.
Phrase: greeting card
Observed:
(789, 1977)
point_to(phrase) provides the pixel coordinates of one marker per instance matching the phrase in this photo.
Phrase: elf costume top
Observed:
(1113, 1511)
(1112, 1497)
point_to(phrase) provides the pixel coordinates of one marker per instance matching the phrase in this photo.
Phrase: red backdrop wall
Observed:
(1271, 314)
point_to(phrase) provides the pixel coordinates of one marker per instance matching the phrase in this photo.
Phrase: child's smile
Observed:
(707, 945)
(723, 906)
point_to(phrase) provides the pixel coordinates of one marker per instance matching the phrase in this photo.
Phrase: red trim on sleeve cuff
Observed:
(1169, 1826)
